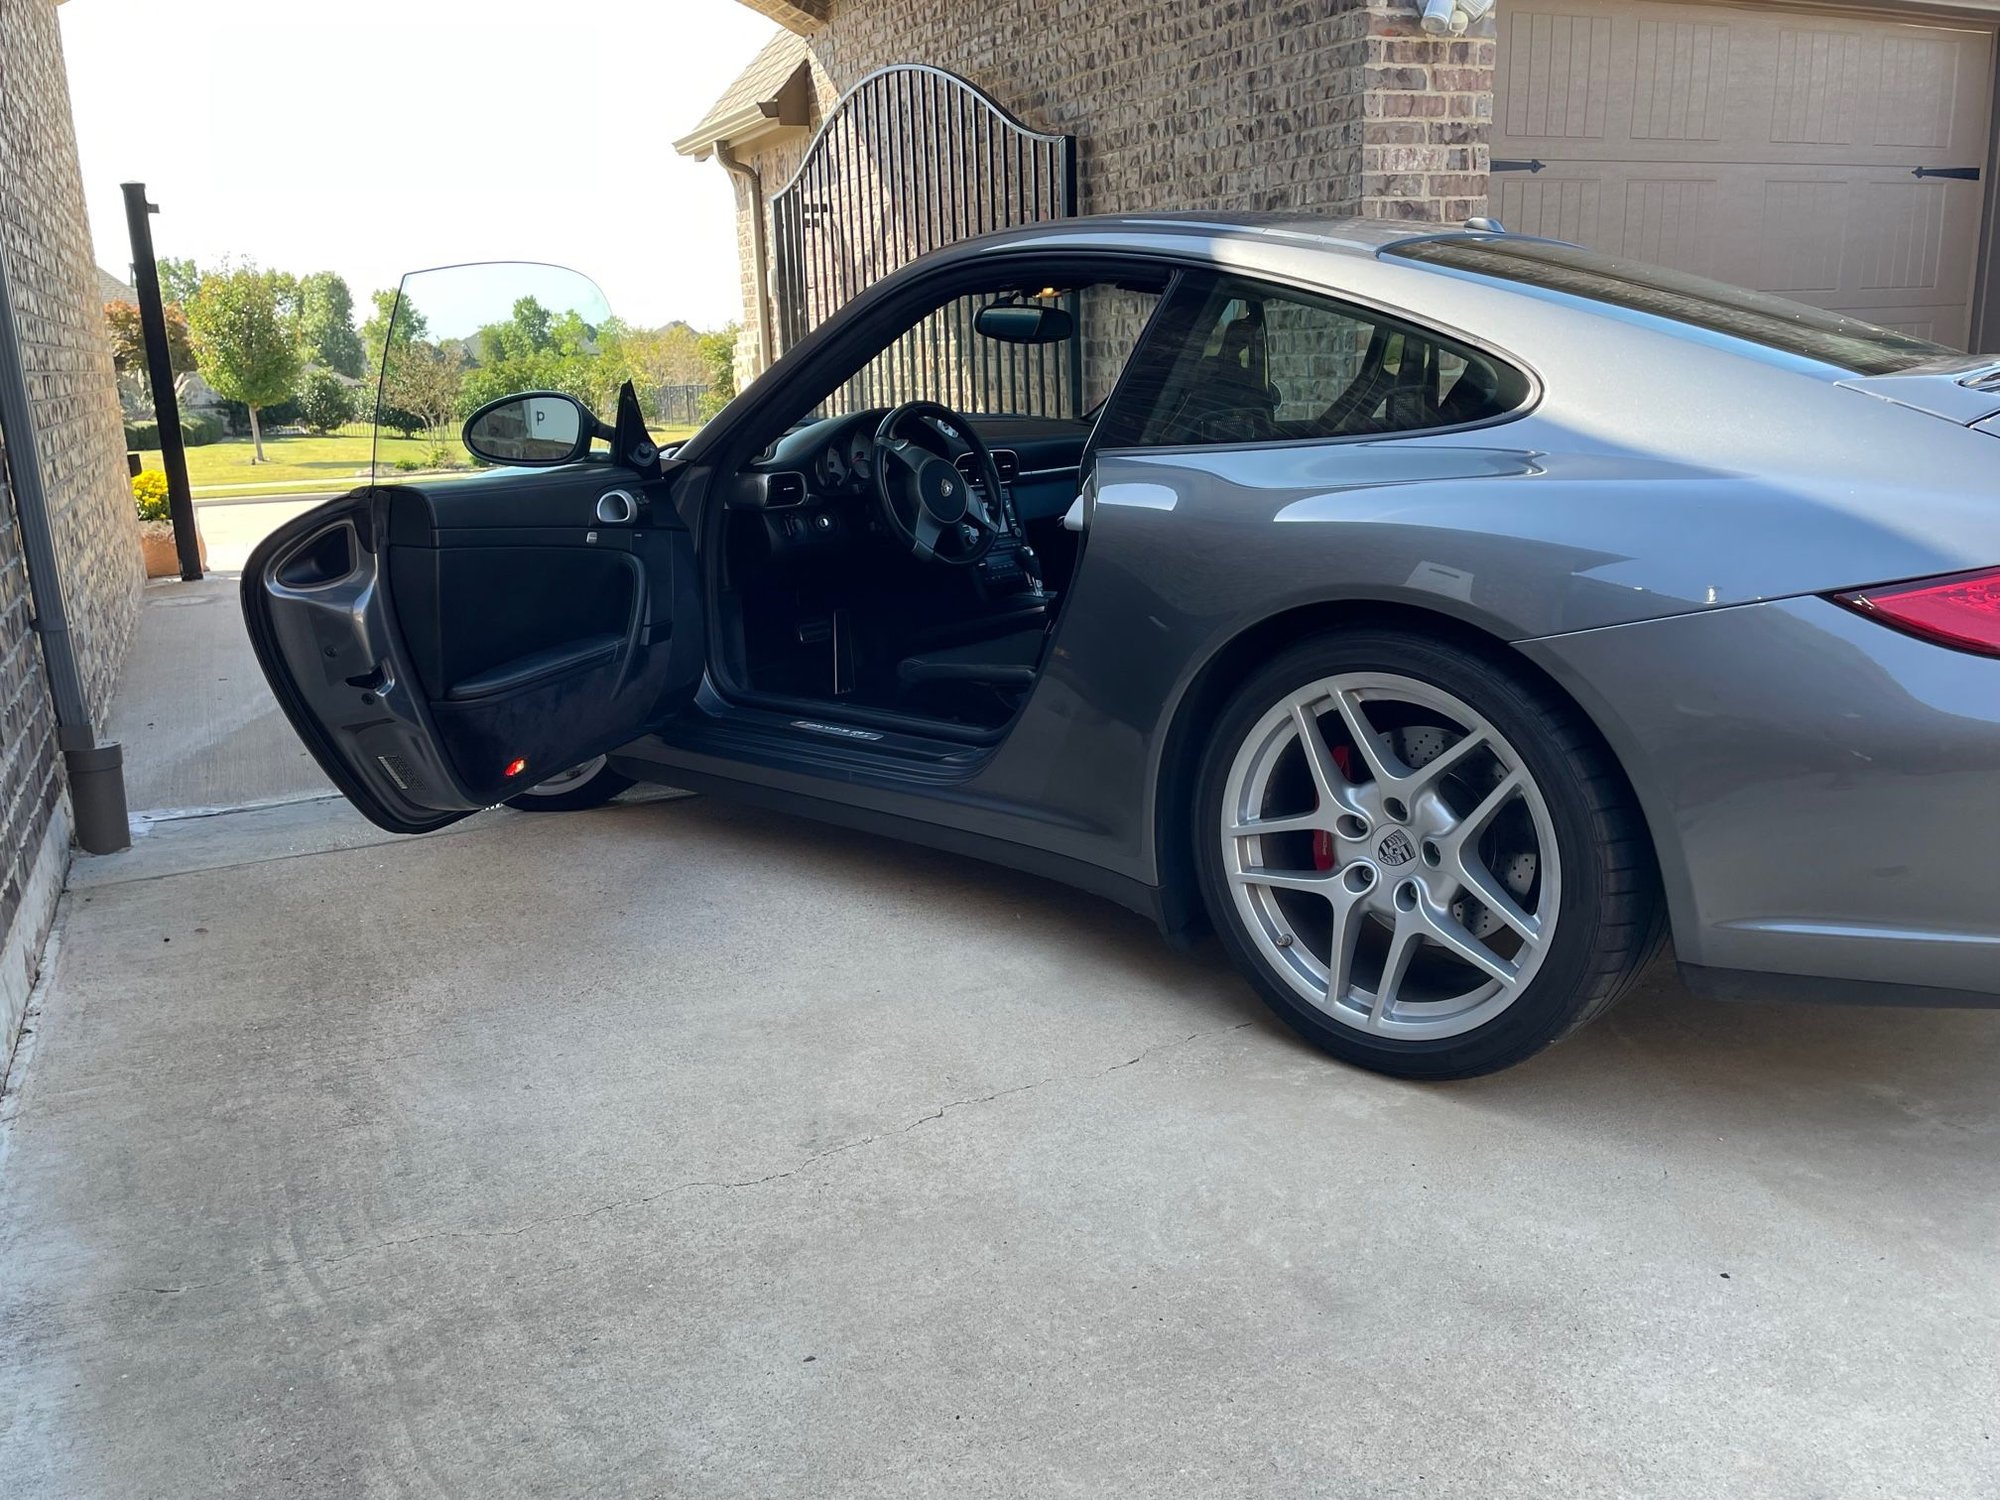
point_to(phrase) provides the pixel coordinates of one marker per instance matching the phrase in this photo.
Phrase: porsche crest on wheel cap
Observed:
(1396, 848)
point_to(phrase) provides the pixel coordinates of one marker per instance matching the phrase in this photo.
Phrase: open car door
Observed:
(446, 641)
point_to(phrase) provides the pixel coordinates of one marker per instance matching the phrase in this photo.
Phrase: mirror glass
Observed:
(545, 429)
(1025, 323)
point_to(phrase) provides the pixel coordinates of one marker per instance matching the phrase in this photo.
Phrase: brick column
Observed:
(1427, 117)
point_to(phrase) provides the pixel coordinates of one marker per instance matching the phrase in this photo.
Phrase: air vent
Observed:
(781, 490)
(1005, 460)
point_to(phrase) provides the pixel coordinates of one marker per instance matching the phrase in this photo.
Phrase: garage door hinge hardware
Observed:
(1963, 174)
(1499, 164)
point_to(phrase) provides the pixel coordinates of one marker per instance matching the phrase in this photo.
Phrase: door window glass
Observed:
(943, 358)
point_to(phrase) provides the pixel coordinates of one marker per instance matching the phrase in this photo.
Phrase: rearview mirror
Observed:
(539, 429)
(1024, 323)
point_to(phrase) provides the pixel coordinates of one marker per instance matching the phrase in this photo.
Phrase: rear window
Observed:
(1758, 317)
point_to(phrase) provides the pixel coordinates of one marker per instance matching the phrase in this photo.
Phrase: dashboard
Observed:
(832, 460)
(806, 508)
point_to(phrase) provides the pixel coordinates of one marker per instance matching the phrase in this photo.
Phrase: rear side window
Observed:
(1757, 317)
(1234, 361)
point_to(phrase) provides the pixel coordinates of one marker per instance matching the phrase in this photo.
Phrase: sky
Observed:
(418, 133)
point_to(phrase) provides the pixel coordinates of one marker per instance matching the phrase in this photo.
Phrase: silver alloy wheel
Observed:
(1392, 858)
(566, 781)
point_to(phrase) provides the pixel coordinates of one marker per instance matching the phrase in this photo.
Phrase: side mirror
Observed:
(1024, 323)
(537, 430)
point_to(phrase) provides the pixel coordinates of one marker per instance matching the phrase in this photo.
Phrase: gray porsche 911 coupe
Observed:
(1445, 619)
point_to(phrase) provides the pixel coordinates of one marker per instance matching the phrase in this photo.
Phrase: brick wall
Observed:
(46, 240)
(1427, 118)
(1330, 106)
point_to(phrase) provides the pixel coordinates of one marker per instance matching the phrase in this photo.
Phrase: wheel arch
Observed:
(1209, 690)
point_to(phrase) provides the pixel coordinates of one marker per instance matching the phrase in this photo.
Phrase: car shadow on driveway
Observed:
(1740, 1058)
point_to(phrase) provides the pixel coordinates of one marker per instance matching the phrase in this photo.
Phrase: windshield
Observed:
(462, 336)
(1758, 317)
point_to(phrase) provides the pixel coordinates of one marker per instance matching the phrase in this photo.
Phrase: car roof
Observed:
(1347, 234)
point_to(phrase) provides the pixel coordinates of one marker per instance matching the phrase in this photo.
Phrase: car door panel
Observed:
(442, 647)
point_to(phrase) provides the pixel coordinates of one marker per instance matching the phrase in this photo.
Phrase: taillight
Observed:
(1962, 611)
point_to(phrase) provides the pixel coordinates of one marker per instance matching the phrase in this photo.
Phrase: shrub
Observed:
(149, 493)
(408, 423)
(326, 402)
(144, 437)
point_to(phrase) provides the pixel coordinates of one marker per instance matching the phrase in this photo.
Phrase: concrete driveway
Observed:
(681, 1149)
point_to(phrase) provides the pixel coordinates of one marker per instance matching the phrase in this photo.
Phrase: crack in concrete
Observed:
(641, 1201)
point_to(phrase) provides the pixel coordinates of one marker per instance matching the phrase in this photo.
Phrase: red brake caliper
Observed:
(1322, 837)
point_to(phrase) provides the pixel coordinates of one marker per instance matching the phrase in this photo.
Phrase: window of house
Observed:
(1237, 362)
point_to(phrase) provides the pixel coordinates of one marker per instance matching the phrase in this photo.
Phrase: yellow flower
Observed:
(149, 493)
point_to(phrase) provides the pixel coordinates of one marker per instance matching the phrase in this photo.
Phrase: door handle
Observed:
(617, 508)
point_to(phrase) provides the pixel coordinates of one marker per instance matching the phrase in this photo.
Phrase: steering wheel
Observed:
(925, 501)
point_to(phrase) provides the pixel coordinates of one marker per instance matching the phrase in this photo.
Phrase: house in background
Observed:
(1840, 155)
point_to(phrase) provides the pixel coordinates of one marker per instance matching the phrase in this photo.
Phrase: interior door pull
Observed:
(617, 508)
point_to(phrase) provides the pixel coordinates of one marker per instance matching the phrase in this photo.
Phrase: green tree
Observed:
(428, 380)
(718, 352)
(664, 358)
(532, 322)
(244, 332)
(179, 279)
(326, 324)
(406, 323)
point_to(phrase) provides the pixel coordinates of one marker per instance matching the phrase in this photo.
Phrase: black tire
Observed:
(1610, 915)
(594, 790)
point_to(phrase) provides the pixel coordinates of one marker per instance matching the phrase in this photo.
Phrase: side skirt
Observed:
(1750, 984)
(1147, 900)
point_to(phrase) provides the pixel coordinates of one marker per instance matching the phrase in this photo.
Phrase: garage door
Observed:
(1831, 159)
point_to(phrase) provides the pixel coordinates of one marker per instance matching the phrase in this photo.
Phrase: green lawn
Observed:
(307, 463)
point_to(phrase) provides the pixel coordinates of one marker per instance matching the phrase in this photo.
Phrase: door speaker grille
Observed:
(399, 772)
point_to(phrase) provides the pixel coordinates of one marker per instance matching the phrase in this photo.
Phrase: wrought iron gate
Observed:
(911, 159)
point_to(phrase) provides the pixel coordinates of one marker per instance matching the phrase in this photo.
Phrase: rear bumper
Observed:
(1824, 794)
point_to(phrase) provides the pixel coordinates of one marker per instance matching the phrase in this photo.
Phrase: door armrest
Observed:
(536, 667)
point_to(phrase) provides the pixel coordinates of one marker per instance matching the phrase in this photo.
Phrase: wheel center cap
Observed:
(1395, 848)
